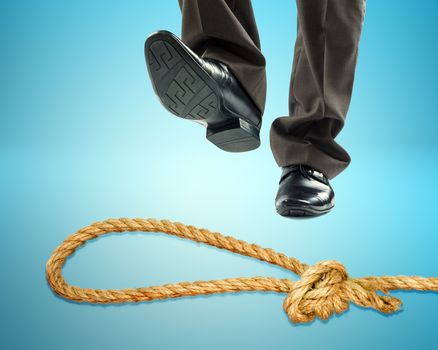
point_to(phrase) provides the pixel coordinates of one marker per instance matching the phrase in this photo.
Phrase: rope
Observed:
(322, 290)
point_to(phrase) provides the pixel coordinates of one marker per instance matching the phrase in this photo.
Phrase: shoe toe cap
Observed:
(301, 204)
(299, 199)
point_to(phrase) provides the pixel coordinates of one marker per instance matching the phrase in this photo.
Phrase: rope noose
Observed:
(322, 290)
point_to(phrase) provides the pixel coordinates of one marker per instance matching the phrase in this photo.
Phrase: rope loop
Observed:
(321, 291)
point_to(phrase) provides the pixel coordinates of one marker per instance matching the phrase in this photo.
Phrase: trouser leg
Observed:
(225, 30)
(321, 85)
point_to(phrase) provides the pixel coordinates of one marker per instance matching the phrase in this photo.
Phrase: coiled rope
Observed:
(322, 290)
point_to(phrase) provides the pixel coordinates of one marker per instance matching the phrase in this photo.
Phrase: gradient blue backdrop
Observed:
(83, 138)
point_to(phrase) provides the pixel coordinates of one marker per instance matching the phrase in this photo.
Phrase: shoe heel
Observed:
(236, 135)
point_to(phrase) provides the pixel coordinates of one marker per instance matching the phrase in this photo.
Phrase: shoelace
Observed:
(307, 172)
(304, 170)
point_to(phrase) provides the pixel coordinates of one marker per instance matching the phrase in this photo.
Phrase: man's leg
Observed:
(321, 85)
(226, 30)
(303, 143)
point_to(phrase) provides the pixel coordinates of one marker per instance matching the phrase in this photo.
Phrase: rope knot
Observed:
(318, 293)
(325, 288)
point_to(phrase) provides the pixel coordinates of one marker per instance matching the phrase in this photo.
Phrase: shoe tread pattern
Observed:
(181, 89)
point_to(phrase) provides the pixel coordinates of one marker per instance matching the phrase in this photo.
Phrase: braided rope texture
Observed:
(321, 291)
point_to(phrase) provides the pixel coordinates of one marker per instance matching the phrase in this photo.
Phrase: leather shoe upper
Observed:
(234, 98)
(303, 191)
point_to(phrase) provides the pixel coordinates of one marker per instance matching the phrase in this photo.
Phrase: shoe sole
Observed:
(186, 90)
(301, 212)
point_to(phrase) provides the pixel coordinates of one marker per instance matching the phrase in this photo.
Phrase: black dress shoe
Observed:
(204, 91)
(304, 191)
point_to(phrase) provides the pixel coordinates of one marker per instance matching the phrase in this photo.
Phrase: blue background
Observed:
(83, 138)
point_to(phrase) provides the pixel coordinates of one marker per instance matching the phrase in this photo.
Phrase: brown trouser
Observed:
(322, 74)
